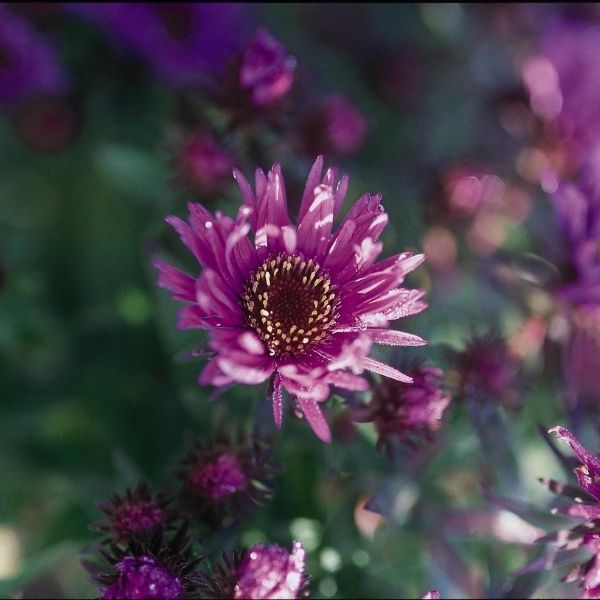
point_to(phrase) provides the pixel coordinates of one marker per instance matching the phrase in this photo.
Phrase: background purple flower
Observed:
(267, 72)
(186, 43)
(141, 578)
(408, 413)
(271, 572)
(28, 64)
(224, 479)
(137, 514)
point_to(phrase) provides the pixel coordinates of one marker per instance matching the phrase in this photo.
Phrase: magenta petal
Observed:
(313, 180)
(277, 401)
(390, 337)
(245, 373)
(587, 458)
(182, 285)
(315, 419)
(584, 511)
(315, 227)
(382, 369)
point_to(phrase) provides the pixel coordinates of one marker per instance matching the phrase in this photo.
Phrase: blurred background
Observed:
(112, 118)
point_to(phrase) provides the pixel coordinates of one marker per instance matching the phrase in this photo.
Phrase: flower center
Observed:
(290, 303)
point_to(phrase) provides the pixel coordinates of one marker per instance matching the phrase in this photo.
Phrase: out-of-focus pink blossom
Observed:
(267, 72)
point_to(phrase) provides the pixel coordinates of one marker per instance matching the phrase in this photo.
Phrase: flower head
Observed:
(581, 532)
(262, 572)
(271, 572)
(138, 514)
(202, 163)
(28, 64)
(267, 72)
(299, 304)
(337, 127)
(143, 577)
(486, 369)
(142, 571)
(407, 412)
(225, 478)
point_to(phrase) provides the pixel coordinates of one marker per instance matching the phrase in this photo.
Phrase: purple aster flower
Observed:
(28, 64)
(267, 72)
(337, 127)
(298, 304)
(262, 572)
(486, 370)
(406, 413)
(577, 293)
(563, 79)
(576, 543)
(143, 577)
(186, 43)
(155, 569)
(202, 164)
(271, 572)
(432, 595)
(577, 208)
(224, 479)
(137, 514)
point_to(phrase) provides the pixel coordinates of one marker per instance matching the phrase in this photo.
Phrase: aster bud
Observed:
(267, 72)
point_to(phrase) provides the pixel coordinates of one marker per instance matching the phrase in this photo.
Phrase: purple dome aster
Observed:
(267, 72)
(186, 43)
(225, 478)
(142, 578)
(260, 573)
(28, 64)
(136, 514)
(299, 304)
(432, 595)
(407, 413)
(158, 568)
(271, 572)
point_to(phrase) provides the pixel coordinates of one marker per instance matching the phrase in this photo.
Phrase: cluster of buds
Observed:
(149, 547)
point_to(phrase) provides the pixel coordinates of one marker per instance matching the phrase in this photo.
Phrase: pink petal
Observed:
(245, 373)
(312, 181)
(586, 457)
(382, 369)
(315, 227)
(212, 375)
(181, 284)
(348, 381)
(390, 337)
(277, 401)
(315, 419)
